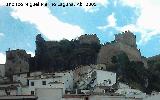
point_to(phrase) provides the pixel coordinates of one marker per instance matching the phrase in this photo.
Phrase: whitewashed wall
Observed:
(20, 78)
(105, 75)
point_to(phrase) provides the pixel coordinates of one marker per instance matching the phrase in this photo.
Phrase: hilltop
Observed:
(120, 55)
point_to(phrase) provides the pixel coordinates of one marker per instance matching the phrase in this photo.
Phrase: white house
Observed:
(57, 80)
(105, 78)
(23, 77)
(93, 77)
(20, 78)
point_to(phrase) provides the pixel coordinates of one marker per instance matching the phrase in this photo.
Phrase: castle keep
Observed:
(89, 39)
(125, 42)
(17, 61)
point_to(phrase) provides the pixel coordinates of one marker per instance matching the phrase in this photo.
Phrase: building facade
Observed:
(17, 61)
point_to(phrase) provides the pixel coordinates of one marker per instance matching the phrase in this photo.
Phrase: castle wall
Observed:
(133, 53)
(89, 39)
(110, 50)
(106, 53)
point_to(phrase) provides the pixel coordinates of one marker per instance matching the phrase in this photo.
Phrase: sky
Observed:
(20, 24)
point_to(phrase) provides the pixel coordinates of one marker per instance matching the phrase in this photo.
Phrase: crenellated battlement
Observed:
(89, 38)
(127, 38)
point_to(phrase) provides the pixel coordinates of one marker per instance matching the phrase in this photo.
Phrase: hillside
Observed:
(120, 55)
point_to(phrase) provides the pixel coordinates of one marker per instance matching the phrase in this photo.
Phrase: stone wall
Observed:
(127, 38)
(154, 58)
(17, 61)
(89, 39)
(124, 42)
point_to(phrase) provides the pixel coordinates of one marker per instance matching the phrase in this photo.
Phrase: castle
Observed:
(88, 39)
(52, 54)
(125, 42)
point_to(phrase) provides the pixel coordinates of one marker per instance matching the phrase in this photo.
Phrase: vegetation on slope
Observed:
(65, 55)
(135, 74)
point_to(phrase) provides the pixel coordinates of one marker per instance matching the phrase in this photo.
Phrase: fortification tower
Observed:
(127, 38)
(124, 42)
(17, 61)
(89, 39)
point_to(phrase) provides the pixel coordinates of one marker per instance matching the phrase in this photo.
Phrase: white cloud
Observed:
(88, 8)
(45, 22)
(148, 23)
(115, 3)
(1, 34)
(131, 3)
(32, 53)
(111, 22)
(2, 58)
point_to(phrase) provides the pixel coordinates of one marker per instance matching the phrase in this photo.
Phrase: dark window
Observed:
(109, 81)
(28, 74)
(32, 92)
(43, 82)
(86, 98)
(28, 82)
(32, 83)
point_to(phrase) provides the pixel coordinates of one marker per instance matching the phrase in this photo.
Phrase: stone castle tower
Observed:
(17, 61)
(89, 39)
(127, 38)
(125, 42)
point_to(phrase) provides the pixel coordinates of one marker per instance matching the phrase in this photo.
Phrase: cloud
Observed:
(49, 25)
(32, 53)
(89, 8)
(2, 58)
(147, 23)
(145, 36)
(1, 34)
(111, 22)
(131, 3)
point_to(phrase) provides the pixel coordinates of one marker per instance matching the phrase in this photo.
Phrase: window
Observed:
(28, 82)
(32, 92)
(28, 74)
(43, 82)
(32, 83)
(86, 98)
(109, 81)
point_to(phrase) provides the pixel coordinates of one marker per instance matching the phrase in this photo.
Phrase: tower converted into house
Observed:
(17, 61)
